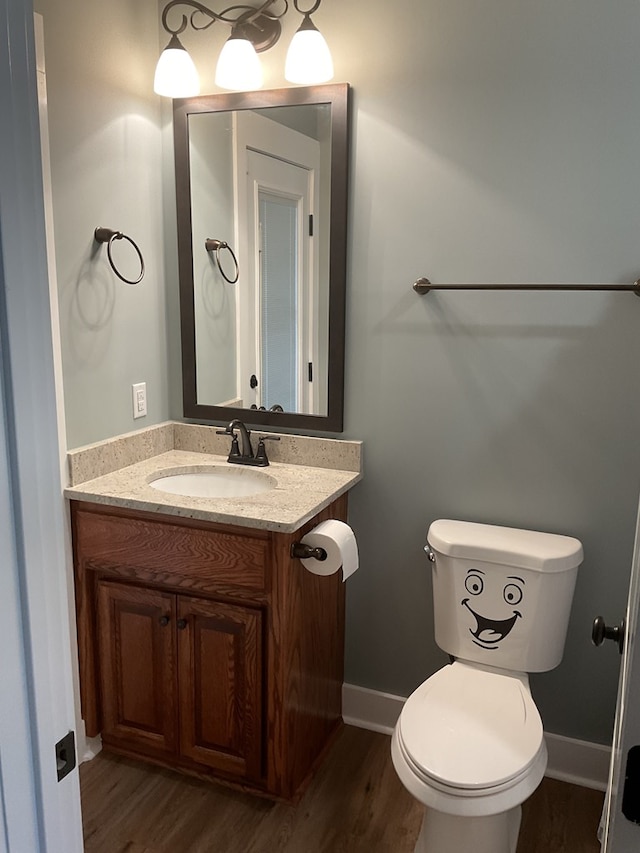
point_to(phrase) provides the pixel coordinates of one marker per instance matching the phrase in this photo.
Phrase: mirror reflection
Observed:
(261, 221)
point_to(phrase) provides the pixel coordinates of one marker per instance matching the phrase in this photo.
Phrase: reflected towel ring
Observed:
(213, 245)
(107, 235)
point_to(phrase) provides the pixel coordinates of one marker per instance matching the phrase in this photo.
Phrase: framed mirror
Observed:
(261, 189)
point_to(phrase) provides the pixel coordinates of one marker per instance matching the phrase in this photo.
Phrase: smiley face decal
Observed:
(489, 632)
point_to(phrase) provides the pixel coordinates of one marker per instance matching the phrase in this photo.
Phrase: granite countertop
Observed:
(300, 492)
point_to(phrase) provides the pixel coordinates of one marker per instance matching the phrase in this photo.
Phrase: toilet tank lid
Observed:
(526, 549)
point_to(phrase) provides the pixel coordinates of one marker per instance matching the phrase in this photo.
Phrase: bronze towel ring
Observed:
(213, 245)
(107, 235)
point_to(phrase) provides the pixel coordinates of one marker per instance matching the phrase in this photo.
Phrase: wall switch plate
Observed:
(139, 393)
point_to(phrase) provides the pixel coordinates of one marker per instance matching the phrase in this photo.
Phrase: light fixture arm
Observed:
(310, 11)
(259, 24)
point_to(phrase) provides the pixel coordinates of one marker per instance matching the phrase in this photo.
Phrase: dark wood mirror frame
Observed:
(337, 95)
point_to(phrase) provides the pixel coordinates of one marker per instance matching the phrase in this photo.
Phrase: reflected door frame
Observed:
(255, 134)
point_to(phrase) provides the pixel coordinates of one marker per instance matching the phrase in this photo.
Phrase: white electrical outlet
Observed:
(139, 394)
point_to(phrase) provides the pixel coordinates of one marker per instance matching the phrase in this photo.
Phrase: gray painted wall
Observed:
(491, 142)
(106, 145)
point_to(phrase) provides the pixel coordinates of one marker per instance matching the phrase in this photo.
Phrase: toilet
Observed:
(469, 741)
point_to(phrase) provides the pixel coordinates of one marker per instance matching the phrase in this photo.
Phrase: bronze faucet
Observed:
(242, 454)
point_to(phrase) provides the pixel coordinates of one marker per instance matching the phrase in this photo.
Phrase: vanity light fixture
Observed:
(253, 30)
(308, 58)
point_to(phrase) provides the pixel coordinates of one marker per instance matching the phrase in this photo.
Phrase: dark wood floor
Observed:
(355, 804)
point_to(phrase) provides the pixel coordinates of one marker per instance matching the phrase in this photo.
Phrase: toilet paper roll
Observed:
(339, 541)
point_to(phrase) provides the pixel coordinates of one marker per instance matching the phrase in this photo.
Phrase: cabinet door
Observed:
(220, 685)
(136, 648)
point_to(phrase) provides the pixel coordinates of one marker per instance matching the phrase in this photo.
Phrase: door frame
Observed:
(35, 509)
(18, 807)
(620, 835)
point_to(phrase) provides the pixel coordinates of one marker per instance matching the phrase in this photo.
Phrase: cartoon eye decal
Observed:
(512, 594)
(474, 584)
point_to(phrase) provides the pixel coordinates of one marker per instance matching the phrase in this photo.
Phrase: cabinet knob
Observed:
(164, 621)
(182, 624)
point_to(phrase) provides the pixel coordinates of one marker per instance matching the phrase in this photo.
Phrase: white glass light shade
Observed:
(238, 65)
(308, 58)
(176, 75)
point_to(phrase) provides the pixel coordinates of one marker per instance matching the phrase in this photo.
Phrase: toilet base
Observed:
(447, 833)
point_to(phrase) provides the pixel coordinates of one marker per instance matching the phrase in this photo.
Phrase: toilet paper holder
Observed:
(304, 552)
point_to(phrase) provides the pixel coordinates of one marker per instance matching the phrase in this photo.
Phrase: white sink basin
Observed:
(214, 482)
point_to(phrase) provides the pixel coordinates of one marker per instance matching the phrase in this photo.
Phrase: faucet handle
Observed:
(234, 452)
(261, 452)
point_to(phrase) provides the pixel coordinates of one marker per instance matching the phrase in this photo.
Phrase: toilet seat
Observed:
(471, 728)
(455, 790)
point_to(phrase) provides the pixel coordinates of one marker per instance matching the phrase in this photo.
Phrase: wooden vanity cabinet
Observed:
(180, 675)
(206, 647)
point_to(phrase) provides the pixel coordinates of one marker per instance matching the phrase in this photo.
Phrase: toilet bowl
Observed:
(469, 745)
(469, 741)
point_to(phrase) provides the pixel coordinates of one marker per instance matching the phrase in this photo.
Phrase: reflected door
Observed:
(280, 294)
(279, 345)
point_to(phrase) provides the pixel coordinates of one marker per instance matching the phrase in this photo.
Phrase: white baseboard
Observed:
(578, 761)
(570, 760)
(86, 747)
(370, 709)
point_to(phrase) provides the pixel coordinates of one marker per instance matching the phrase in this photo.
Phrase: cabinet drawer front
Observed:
(171, 554)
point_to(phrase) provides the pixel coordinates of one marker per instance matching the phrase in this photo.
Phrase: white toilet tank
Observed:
(502, 596)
